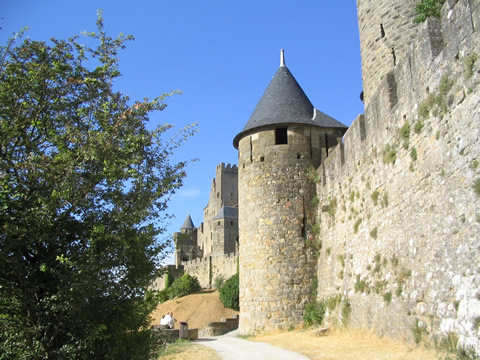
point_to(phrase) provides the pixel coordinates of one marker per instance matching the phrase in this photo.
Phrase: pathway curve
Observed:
(230, 347)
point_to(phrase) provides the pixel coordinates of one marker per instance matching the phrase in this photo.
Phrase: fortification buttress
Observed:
(284, 137)
(386, 33)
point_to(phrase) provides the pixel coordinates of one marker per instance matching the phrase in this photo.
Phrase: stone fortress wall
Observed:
(399, 218)
(210, 250)
(207, 269)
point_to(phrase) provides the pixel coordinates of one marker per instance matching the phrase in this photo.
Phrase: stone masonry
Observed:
(400, 201)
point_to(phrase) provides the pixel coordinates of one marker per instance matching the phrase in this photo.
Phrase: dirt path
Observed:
(229, 347)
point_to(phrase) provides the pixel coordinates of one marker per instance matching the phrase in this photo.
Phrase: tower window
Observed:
(281, 136)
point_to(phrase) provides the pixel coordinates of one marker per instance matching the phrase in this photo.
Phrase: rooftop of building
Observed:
(284, 102)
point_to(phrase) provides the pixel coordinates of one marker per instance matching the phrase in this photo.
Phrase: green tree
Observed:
(84, 186)
(229, 293)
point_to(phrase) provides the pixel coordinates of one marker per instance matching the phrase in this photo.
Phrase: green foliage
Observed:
(389, 154)
(314, 314)
(332, 302)
(469, 64)
(418, 127)
(474, 164)
(445, 85)
(387, 297)
(313, 175)
(352, 196)
(360, 285)
(405, 134)
(374, 233)
(332, 207)
(428, 8)
(182, 286)
(385, 200)
(84, 187)
(346, 312)
(418, 331)
(413, 154)
(356, 225)
(229, 293)
(218, 282)
(476, 187)
(162, 296)
(375, 196)
(436, 103)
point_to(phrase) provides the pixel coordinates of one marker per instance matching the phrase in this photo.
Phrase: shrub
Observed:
(162, 296)
(183, 286)
(476, 187)
(346, 311)
(219, 282)
(375, 196)
(389, 154)
(356, 225)
(428, 8)
(418, 127)
(469, 64)
(374, 233)
(314, 314)
(229, 293)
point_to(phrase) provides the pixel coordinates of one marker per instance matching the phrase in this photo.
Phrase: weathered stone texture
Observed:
(403, 243)
(386, 32)
(274, 204)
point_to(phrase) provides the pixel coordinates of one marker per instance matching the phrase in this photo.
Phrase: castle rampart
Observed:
(208, 268)
(400, 241)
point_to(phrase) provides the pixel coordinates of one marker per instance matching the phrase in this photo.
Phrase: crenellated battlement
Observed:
(396, 197)
(439, 50)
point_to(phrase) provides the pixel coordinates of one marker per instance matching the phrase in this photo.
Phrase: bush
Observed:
(218, 282)
(162, 296)
(183, 286)
(314, 314)
(229, 293)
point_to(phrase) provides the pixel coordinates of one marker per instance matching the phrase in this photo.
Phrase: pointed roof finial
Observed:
(282, 58)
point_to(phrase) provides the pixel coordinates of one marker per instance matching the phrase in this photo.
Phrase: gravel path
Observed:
(230, 347)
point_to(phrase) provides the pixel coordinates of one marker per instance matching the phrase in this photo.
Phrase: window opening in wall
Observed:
(299, 156)
(382, 31)
(262, 158)
(281, 136)
(394, 57)
(231, 223)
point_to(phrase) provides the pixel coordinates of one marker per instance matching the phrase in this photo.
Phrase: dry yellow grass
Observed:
(189, 351)
(346, 345)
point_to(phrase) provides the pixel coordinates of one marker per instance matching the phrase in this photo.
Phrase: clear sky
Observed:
(222, 55)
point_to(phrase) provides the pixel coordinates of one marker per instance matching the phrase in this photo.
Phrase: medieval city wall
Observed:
(208, 268)
(398, 213)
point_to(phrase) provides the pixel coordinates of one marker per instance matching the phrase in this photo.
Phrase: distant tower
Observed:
(284, 137)
(386, 30)
(186, 242)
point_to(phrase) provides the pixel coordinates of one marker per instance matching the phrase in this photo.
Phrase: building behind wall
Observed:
(210, 249)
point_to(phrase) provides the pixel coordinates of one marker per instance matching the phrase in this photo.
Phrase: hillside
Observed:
(196, 309)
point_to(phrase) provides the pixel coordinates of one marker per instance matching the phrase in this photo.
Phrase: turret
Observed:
(284, 137)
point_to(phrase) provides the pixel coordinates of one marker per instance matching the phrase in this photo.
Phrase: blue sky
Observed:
(221, 54)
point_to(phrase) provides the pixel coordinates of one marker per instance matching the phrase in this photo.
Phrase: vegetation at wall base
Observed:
(229, 293)
(84, 186)
(314, 314)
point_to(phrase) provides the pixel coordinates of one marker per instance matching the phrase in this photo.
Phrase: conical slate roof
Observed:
(284, 102)
(187, 224)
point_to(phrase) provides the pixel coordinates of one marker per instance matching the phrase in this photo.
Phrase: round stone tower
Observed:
(386, 30)
(284, 137)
